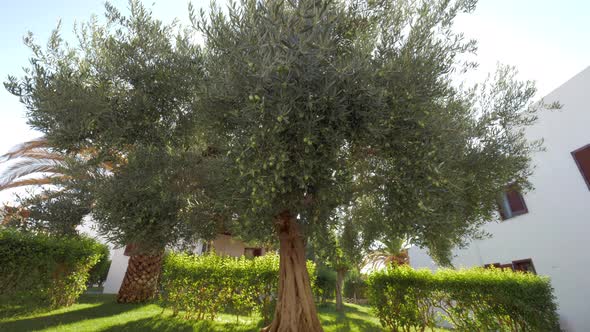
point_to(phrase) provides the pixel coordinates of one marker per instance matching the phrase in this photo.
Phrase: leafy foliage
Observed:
(471, 300)
(153, 200)
(123, 97)
(55, 212)
(45, 269)
(325, 104)
(386, 252)
(98, 273)
(325, 283)
(355, 286)
(204, 285)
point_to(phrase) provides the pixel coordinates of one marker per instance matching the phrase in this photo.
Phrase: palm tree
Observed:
(38, 163)
(35, 163)
(392, 251)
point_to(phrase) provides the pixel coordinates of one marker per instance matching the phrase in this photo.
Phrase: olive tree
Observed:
(120, 102)
(325, 103)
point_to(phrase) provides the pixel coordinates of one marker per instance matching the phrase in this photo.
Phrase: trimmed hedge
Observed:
(47, 270)
(470, 300)
(99, 272)
(203, 285)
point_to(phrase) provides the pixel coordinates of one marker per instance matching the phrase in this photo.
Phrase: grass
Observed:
(97, 312)
(94, 290)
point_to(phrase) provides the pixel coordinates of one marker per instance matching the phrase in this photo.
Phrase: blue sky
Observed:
(546, 40)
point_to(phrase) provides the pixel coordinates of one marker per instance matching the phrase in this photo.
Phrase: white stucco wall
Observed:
(555, 233)
(116, 271)
(223, 244)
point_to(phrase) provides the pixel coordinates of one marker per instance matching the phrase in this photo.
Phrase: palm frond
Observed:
(387, 251)
(44, 155)
(27, 182)
(29, 158)
(34, 146)
(38, 156)
(29, 166)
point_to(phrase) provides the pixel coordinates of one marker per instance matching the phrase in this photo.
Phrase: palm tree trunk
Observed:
(141, 278)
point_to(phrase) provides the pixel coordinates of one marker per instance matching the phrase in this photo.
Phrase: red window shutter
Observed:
(582, 157)
(516, 202)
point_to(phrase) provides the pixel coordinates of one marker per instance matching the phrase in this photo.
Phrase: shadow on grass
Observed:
(333, 320)
(171, 324)
(9, 308)
(156, 323)
(330, 306)
(354, 318)
(104, 309)
(12, 310)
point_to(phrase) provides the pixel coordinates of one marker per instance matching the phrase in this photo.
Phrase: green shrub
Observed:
(470, 300)
(325, 283)
(44, 269)
(98, 273)
(355, 286)
(203, 285)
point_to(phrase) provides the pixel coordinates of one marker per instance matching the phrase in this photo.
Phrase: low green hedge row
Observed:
(203, 285)
(46, 270)
(99, 272)
(475, 299)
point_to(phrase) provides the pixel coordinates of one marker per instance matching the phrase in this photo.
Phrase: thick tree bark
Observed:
(141, 279)
(339, 282)
(295, 311)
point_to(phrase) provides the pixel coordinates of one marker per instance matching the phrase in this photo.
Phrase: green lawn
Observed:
(101, 313)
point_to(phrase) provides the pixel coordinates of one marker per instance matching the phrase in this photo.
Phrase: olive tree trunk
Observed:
(295, 310)
(141, 279)
(339, 282)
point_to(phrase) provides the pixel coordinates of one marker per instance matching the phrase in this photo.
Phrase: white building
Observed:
(224, 244)
(552, 227)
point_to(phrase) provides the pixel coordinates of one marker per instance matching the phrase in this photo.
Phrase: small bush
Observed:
(355, 286)
(44, 269)
(203, 285)
(98, 273)
(470, 300)
(325, 284)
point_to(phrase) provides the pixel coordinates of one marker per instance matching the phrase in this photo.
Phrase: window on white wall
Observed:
(522, 265)
(582, 158)
(512, 203)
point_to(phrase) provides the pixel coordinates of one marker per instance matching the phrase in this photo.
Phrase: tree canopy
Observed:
(315, 104)
(325, 103)
(288, 111)
(123, 97)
